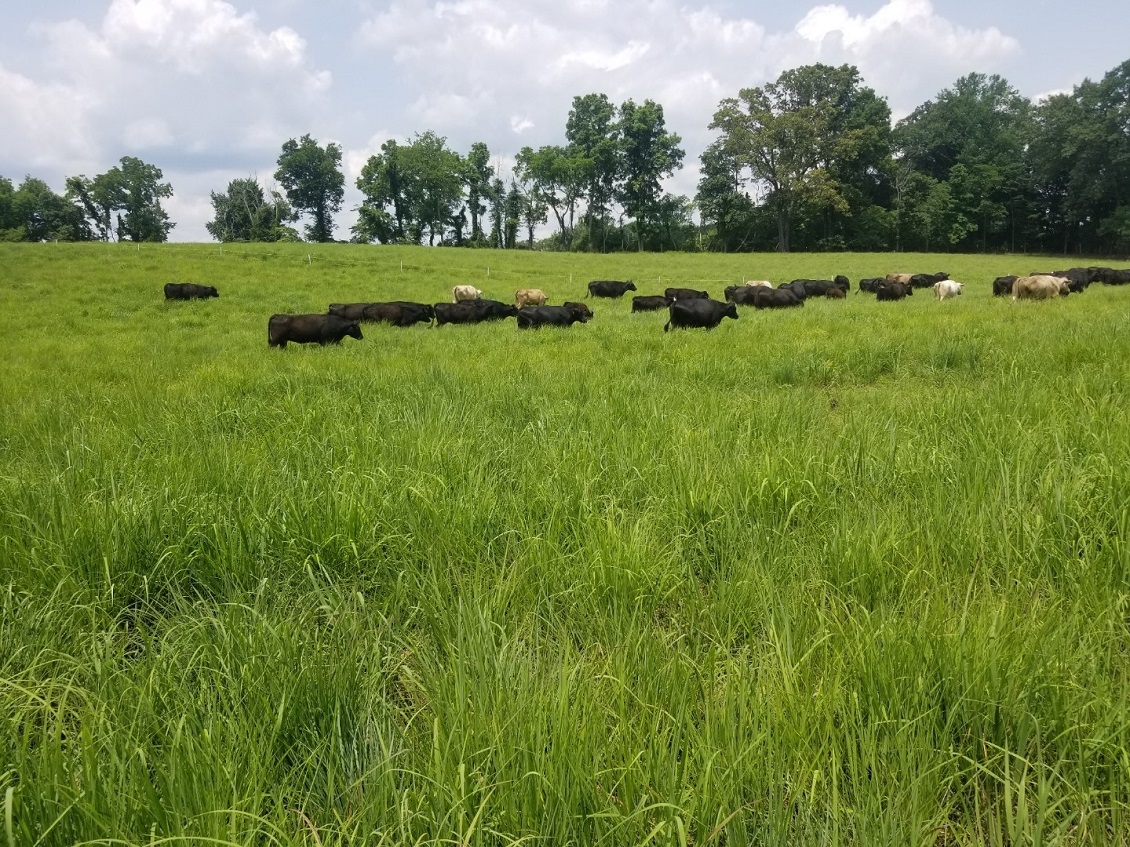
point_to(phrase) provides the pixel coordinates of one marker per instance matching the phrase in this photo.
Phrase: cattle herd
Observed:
(686, 307)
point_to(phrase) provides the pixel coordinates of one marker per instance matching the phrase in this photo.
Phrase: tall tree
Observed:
(479, 173)
(787, 134)
(313, 181)
(558, 182)
(144, 219)
(385, 184)
(245, 213)
(40, 214)
(594, 142)
(722, 201)
(124, 202)
(650, 153)
(436, 174)
(981, 127)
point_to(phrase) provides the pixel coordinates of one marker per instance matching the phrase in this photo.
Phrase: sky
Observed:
(209, 90)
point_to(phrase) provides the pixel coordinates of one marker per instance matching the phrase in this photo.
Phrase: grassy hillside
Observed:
(854, 573)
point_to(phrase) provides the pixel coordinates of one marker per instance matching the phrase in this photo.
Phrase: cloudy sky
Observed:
(208, 90)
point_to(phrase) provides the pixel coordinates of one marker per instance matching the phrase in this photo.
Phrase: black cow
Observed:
(871, 285)
(699, 313)
(463, 312)
(776, 298)
(743, 295)
(1002, 285)
(472, 312)
(349, 311)
(309, 329)
(685, 294)
(843, 282)
(579, 308)
(539, 316)
(1078, 278)
(189, 291)
(796, 287)
(927, 280)
(894, 291)
(819, 287)
(649, 303)
(399, 313)
(609, 288)
(494, 310)
(1109, 276)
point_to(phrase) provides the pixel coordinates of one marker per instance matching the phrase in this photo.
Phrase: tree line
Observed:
(810, 161)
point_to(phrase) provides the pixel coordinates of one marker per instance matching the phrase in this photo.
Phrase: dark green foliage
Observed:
(244, 213)
(313, 181)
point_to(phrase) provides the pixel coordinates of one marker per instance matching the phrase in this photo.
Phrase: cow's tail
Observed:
(667, 326)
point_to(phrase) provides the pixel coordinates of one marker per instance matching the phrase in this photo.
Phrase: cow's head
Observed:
(211, 291)
(631, 286)
(731, 311)
(353, 330)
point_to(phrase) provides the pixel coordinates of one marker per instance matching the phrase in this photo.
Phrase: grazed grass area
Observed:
(855, 573)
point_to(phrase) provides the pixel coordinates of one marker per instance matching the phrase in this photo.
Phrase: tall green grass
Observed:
(852, 574)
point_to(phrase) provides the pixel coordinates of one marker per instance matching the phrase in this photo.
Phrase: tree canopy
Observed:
(312, 178)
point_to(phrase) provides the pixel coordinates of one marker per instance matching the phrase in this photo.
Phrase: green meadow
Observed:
(857, 573)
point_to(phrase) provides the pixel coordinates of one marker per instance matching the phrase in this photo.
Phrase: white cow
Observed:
(947, 288)
(1040, 287)
(465, 292)
(758, 283)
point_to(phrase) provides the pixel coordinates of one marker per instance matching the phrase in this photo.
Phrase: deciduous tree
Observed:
(312, 178)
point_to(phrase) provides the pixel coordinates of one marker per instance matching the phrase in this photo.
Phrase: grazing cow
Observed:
(743, 295)
(697, 312)
(944, 289)
(609, 288)
(309, 329)
(349, 311)
(796, 287)
(465, 292)
(649, 303)
(894, 291)
(189, 291)
(529, 297)
(685, 294)
(494, 310)
(776, 298)
(1109, 276)
(539, 316)
(871, 285)
(753, 283)
(819, 287)
(399, 313)
(580, 308)
(918, 280)
(1040, 287)
(1002, 285)
(843, 282)
(456, 313)
(836, 294)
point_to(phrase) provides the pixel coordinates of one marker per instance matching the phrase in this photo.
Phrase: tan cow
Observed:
(1040, 287)
(465, 292)
(903, 278)
(529, 297)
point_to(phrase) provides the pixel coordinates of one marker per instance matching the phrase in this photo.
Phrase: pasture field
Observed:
(857, 573)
